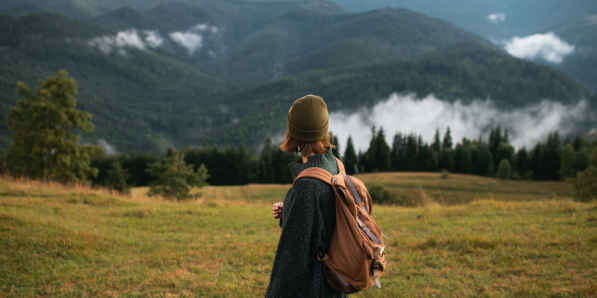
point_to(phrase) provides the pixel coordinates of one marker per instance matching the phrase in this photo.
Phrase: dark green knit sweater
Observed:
(307, 224)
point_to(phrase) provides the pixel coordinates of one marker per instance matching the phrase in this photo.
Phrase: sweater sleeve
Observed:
(285, 203)
(298, 243)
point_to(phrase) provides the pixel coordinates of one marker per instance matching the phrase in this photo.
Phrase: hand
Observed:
(277, 210)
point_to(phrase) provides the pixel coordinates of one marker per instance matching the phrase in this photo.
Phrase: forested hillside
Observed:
(521, 17)
(156, 75)
(464, 71)
(582, 32)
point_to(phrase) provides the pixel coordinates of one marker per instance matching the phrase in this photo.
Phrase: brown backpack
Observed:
(356, 256)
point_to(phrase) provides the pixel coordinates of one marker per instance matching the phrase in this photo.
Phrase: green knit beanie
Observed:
(308, 119)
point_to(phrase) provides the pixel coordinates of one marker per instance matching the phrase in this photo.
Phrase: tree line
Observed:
(547, 160)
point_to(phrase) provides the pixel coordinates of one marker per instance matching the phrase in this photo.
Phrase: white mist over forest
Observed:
(407, 114)
(190, 39)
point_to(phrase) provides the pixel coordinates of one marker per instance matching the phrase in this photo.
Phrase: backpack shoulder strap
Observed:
(317, 173)
(341, 169)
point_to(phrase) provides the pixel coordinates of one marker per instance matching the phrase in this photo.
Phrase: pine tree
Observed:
(422, 155)
(447, 143)
(577, 143)
(462, 160)
(398, 152)
(117, 177)
(483, 163)
(350, 157)
(521, 162)
(436, 145)
(44, 146)
(174, 178)
(536, 162)
(506, 137)
(368, 158)
(410, 155)
(495, 139)
(335, 151)
(551, 157)
(568, 163)
(382, 161)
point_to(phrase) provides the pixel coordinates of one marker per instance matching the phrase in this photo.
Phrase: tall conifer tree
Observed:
(336, 150)
(382, 161)
(44, 146)
(436, 145)
(447, 143)
(350, 157)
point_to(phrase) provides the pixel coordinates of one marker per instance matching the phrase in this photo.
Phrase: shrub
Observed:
(586, 181)
(504, 169)
(445, 174)
(380, 195)
(174, 178)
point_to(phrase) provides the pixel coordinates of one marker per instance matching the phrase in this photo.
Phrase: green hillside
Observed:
(253, 59)
(582, 32)
(464, 71)
(301, 40)
(135, 98)
(181, 15)
(24, 9)
(521, 17)
(126, 18)
(48, 26)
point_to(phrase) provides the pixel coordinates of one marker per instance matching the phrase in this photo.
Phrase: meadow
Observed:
(465, 236)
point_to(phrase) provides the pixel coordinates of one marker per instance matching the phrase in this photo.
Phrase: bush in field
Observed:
(445, 174)
(44, 145)
(586, 181)
(117, 177)
(380, 195)
(504, 170)
(174, 178)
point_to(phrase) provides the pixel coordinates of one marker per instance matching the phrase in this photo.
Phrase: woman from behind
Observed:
(308, 214)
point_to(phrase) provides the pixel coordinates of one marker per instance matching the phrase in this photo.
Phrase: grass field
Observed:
(469, 237)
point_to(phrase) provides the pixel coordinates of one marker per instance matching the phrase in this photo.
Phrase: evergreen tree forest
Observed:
(491, 157)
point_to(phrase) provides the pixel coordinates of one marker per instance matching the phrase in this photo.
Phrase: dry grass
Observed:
(418, 189)
(223, 245)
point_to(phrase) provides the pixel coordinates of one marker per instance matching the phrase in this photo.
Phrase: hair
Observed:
(291, 145)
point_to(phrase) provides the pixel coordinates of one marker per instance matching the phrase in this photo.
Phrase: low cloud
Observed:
(544, 46)
(126, 39)
(192, 39)
(153, 39)
(188, 40)
(406, 114)
(110, 150)
(496, 17)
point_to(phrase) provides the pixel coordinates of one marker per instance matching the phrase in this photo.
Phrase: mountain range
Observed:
(199, 72)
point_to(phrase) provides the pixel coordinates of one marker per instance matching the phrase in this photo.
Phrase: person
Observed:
(307, 215)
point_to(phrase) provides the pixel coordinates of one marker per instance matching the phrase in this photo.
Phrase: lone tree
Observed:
(117, 177)
(174, 178)
(504, 169)
(44, 146)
